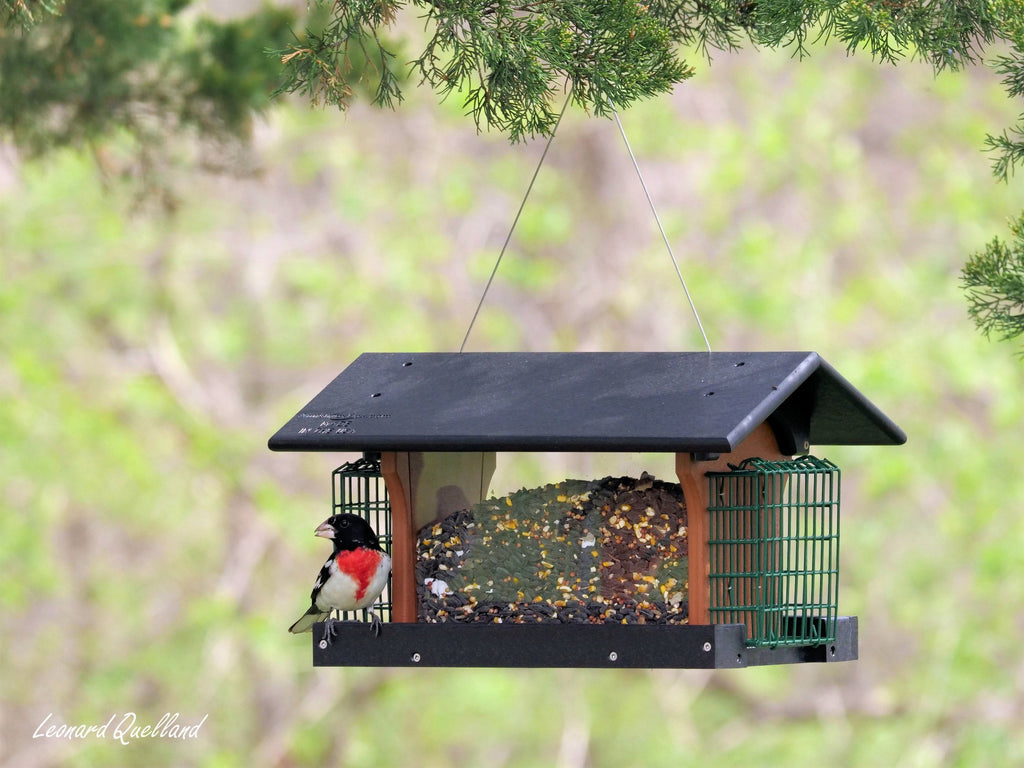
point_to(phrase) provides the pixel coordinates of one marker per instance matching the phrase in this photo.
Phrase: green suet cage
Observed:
(359, 489)
(774, 550)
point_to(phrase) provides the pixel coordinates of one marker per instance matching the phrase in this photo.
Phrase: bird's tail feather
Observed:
(307, 620)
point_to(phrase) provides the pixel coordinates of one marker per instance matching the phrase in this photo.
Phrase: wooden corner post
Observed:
(691, 473)
(395, 469)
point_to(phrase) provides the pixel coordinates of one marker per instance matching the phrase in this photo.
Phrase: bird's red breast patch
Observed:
(360, 565)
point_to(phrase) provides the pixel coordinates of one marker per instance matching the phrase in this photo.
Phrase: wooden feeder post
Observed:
(691, 473)
(438, 419)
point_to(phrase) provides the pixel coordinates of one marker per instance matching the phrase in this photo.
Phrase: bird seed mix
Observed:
(604, 551)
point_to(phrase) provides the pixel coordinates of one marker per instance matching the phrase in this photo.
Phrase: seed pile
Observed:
(604, 551)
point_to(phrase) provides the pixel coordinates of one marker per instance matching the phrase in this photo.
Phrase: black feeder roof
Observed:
(585, 401)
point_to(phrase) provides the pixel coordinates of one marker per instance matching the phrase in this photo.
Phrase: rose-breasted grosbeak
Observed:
(353, 576)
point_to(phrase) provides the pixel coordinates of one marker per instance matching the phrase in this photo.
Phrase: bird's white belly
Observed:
(337, 593)
(341, 592)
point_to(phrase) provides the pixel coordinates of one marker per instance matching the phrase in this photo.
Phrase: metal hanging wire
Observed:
(515, 221)
(650, 202)
(661, 228)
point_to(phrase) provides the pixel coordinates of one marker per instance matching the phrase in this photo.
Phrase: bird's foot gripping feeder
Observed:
(734, 565)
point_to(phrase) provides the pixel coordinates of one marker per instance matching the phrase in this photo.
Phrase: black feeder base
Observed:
(650, 646)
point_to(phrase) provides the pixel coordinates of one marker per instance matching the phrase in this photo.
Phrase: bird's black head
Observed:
(348, 532)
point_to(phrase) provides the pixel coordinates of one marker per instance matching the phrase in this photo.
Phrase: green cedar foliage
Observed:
(994, 278)
(994, 283)
(507, 60)
(76, 72)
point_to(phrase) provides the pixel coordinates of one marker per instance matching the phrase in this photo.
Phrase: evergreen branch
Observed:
(707, 24)
(139, 71)
(786, 23)
(321, 66)
(1012, 70)
(1009, 146)
(994, 283)
(1010, 151)
(27, 13)
(507, 59)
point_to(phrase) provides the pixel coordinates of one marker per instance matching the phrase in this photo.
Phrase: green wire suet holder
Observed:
(359, 489)
(773, 541)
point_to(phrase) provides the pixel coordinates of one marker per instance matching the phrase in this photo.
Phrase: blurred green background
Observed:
(155, 551)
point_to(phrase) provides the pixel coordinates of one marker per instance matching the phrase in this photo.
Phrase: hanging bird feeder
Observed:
(732, 563)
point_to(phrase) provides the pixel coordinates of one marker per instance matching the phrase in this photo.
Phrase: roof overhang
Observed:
(585, 401)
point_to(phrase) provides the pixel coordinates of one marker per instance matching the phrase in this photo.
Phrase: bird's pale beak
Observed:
(325, 530)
